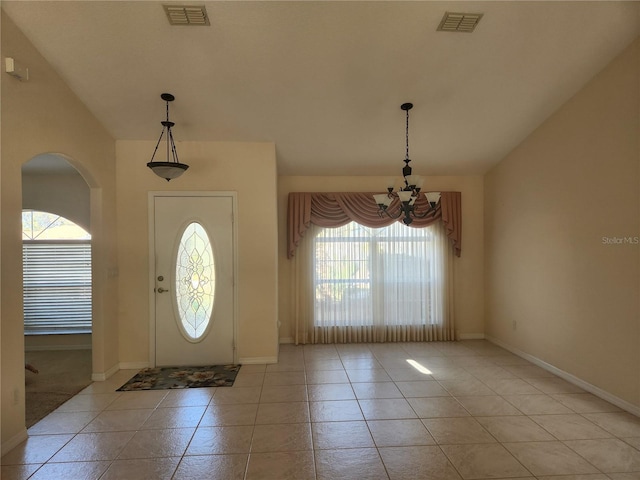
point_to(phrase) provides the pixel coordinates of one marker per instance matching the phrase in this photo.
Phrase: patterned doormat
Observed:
(164, 378)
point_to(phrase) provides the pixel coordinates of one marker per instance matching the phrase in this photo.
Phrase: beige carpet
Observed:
(63, 373)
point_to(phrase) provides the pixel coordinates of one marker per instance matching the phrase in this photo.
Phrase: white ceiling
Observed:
(324, 80)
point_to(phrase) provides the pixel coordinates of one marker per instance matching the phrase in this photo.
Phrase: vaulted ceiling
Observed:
(324, 80)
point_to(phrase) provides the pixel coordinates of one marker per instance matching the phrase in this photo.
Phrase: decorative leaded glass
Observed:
(195, 281)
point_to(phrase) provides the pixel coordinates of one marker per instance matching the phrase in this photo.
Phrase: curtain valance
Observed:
(337, 209)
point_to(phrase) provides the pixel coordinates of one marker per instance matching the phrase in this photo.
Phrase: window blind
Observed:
(376, 276)
(57, 287)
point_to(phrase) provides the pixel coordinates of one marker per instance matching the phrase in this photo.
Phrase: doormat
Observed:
(164, 378)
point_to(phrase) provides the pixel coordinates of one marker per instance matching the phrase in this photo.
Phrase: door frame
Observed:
(152, 262)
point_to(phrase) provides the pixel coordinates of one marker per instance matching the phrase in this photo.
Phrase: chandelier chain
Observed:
(169, 136)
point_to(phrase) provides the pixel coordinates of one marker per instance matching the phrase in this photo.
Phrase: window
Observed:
(195, 281)
(395, 276)
(369, 277)
(56, 257)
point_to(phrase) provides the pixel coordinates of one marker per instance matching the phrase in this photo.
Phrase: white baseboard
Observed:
(257, 360)
(14, 441)
(101, 377)
(597, 391)
(471, 336)
(134, 365)
(286, 340)
(41, 348)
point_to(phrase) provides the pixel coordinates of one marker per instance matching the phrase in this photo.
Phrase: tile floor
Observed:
(334, 412)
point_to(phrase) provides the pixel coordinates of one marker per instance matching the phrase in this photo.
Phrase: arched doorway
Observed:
(56, 282)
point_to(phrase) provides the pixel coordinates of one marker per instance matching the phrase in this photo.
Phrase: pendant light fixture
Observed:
(171, 168)
(409, 192)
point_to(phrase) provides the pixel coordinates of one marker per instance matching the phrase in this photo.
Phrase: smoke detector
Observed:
(459, 22)
(192, 15)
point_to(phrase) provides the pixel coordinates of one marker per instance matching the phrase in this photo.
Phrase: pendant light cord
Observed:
(407, 137)
(169, 139)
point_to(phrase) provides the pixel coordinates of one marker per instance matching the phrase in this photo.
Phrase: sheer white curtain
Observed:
(360, 284)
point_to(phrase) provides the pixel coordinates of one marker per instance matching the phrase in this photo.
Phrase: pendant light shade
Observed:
(168, 170)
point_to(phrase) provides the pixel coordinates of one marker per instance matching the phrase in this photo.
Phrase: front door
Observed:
(193, 279)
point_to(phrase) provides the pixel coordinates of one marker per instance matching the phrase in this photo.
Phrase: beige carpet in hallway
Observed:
(62, 374)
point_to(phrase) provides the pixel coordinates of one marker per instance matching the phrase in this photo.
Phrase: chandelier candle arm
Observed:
(383, 199)
(405, 196)
(413, 181)
(433, 198)
(391, 183)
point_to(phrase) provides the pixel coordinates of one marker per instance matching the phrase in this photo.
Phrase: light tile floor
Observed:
(332, 412)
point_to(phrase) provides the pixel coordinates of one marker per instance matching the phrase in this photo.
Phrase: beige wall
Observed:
(44, 116)
(57, 342)
(246, 168)
(468, 269)
(554, 288)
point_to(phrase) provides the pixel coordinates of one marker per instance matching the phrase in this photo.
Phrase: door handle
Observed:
(161, 290)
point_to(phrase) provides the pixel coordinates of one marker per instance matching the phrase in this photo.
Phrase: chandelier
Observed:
(409, 191)
(171, 168)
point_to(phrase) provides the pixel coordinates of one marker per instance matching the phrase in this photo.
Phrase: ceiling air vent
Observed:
(187, 14)
(459, 22)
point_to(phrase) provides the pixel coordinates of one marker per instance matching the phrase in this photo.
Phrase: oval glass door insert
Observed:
(195, 282)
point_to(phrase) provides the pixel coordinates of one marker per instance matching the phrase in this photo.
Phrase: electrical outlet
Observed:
(514, 324)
